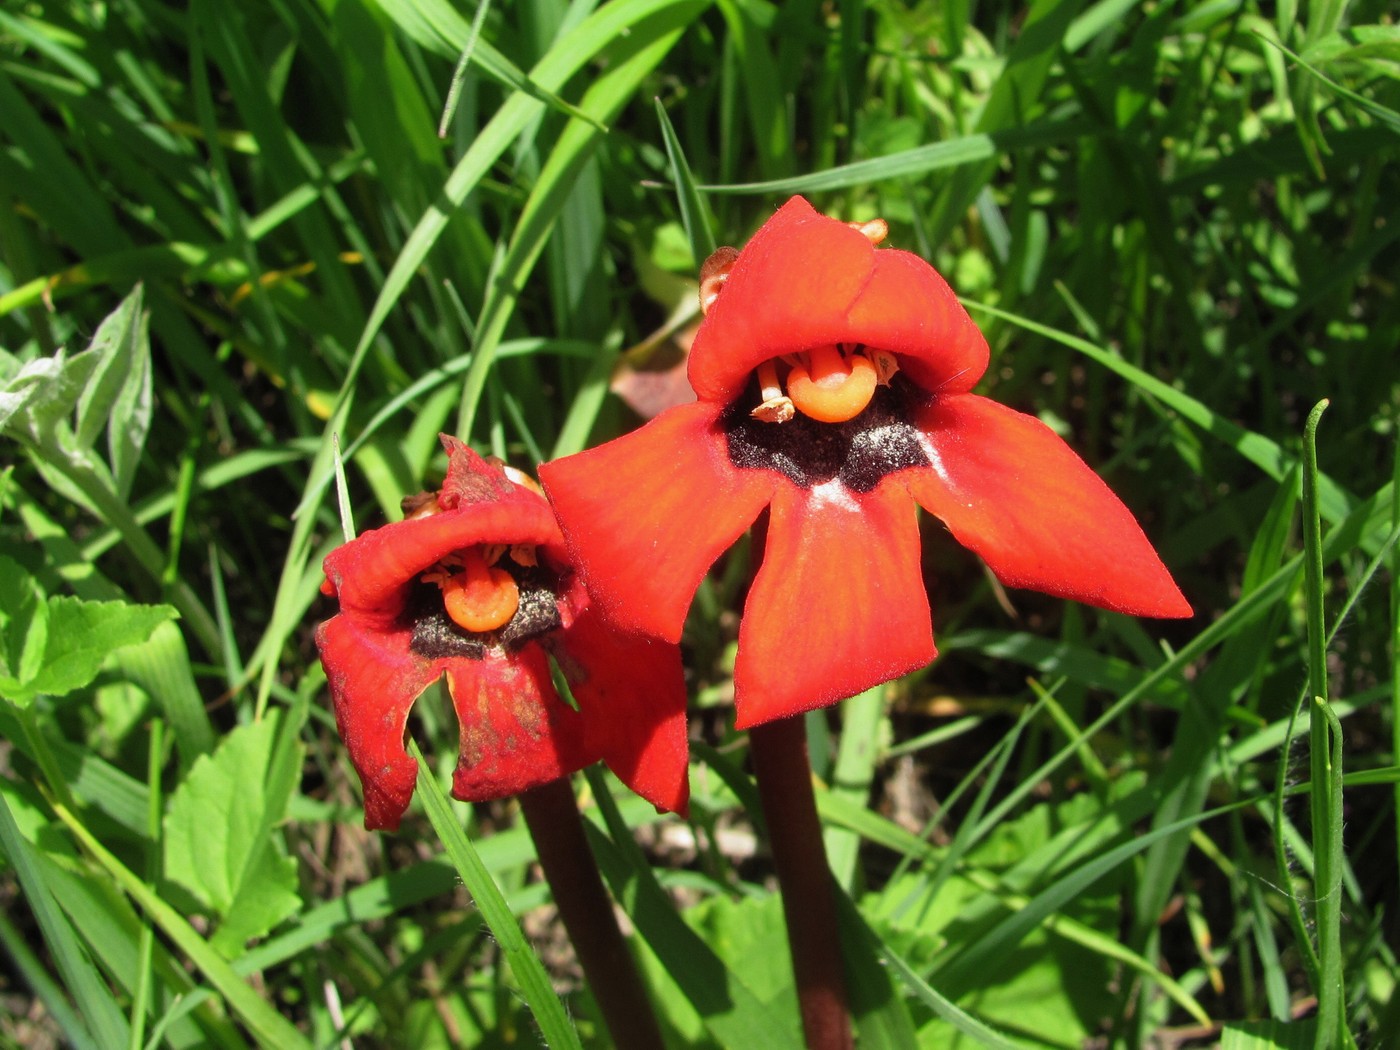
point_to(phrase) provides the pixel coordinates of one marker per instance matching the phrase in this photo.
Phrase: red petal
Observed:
(1008, 488)
(838, 604)
(374, 679)
(372, 573)
(806, 280)
(631, 690)
(515, 731)
(647, 514)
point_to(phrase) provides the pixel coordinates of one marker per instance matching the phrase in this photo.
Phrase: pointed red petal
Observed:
(631, 691)
(805, 280)
(515, 731)
(374, 679)
(1008, 488)
(647, 514)
(838, 605)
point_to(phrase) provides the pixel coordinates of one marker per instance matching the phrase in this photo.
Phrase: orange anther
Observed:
(832, 388)
(480, 598)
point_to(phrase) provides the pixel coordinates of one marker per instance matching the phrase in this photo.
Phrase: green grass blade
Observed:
(1333, 502)
(30, 969)
(913, 163)
(688, 199)
(945, 1008)
(529, 972)
(104, 1024)
(649, 39)
(851, 778)
(1324, 748)
(962, 973)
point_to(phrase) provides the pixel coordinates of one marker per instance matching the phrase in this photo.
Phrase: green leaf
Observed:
(81, 634)
(712, 993)
(120, 342)
(1269, 1035)
(161, 666)
(41, 394)
(56, 645)
(237, 871)
(23, 627)
(107, 386)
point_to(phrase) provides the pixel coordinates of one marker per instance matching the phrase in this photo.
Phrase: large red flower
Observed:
(834, 385)
(476, 585)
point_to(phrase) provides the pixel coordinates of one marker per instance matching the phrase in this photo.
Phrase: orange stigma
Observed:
(830, 386)
(479, 597)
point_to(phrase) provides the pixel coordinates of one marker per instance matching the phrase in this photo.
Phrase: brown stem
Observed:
(790, 811)
(552, 816)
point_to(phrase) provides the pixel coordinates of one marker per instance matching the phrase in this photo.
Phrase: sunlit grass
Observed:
(1073, 826)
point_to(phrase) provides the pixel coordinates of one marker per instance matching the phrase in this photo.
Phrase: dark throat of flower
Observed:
(480, 599)
(859, 452)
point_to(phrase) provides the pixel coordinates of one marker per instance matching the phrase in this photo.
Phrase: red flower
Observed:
(476, 585)
(834, 385)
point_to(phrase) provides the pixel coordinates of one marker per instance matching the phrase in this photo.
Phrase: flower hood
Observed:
(395, 635)
(838, 603)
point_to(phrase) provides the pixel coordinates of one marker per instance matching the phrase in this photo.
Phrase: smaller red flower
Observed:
(476, 584)
(834, 382)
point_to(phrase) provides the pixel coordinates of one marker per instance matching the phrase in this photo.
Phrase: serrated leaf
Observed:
(218, 844)
(79, 637)
(56, 645)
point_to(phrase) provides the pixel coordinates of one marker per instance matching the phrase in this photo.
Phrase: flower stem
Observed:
(552, 816)
(794, 832)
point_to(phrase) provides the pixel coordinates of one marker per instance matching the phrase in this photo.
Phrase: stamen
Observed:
(876, 230)
(522, 479)
(713, 274)
(832, 388)
(480, 598)
(886, 365)
(776, 406)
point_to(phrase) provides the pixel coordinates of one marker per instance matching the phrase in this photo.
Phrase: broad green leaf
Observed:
(55, 645)
(217, 844)
(708, 991)
(161, 666)
(81, 634)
